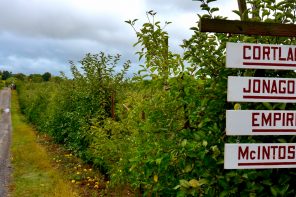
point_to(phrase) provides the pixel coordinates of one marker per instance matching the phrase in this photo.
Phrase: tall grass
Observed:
(33, 174)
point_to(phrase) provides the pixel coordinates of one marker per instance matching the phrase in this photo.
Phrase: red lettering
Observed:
(291, 152)
(256, 86)
(290, 117)
(243, 154)
(266, 120)
(274, 52)
(276, 117)
(284, 119)
(282, 152)
(290, 55)
(280, 55)
(256, 52)
(265, 152)
(282, 90)
(249, 86)
(273, 87)
(254, 119)
(252, 156)
(273, 151)
(266, 86)
(291, 86)
(245, 53)
(266, 52)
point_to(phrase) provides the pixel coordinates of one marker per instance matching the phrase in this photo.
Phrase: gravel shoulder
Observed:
(5, 139)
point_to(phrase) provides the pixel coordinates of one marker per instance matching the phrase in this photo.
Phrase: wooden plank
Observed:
(247, 27)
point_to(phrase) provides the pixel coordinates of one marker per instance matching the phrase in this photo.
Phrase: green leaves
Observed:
(192, 187)
(205, 53)
(131, 22)
(67, 110)
(164, 130)
(279, 191)
(153, 40)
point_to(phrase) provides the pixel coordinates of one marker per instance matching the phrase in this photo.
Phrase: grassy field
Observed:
(33, 173)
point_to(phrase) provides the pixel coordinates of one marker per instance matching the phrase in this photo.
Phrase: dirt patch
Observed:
(88, 181)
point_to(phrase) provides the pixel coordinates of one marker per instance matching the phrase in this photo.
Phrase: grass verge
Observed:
(44, 168)
(33, 173)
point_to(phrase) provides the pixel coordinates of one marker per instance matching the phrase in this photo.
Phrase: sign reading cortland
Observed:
(260, 122)
(262, 56)
(253, 156)
(263, 89)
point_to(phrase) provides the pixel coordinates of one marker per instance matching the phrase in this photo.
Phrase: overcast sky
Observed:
(38, 36)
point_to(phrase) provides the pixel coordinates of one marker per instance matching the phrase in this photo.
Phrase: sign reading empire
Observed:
(260, 122)
(260, 56)
(263, 89)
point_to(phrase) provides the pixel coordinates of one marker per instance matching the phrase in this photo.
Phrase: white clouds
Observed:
(37, 35)
(172, 7)
(66, 19)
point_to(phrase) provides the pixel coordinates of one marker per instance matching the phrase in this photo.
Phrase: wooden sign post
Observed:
(259, 122)
(247, 27)
(255, 89)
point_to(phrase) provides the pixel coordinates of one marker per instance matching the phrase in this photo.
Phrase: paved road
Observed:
(5, 138)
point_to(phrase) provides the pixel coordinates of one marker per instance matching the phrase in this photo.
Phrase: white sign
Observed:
(261, 89)
(253, 156)
(260, 122)
(263, 56)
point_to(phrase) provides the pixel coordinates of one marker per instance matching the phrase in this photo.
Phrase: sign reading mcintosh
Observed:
(247, 156)
(260, 122)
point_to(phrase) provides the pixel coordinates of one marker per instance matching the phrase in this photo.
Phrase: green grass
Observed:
(32, 172)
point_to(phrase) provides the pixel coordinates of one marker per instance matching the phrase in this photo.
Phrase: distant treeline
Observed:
(11, 77)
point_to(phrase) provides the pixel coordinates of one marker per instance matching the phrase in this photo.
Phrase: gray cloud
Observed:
(39, 36)
(43, 19)
(17, 64)
(172, 7)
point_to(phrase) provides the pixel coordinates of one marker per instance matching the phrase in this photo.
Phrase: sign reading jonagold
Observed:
(263, 89)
